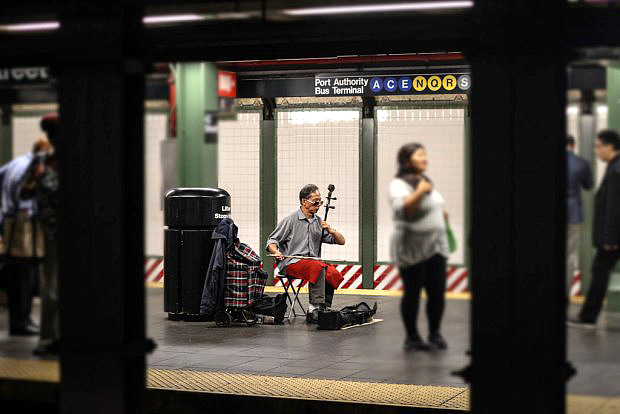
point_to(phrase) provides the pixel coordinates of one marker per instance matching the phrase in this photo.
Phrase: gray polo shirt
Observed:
(296, 235)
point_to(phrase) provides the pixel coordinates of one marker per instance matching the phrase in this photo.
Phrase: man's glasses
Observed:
(316, 202)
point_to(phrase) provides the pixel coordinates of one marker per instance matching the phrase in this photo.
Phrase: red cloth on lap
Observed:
(310, 270)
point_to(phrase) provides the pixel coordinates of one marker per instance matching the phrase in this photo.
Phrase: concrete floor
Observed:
(368, 353)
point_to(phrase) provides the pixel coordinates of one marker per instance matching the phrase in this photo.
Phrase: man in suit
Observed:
(579, 176)
(605, 230)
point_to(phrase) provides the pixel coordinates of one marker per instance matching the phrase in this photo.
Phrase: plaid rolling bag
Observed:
(245, 280)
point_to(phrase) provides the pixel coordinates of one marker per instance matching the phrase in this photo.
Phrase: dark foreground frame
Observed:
(518, 52)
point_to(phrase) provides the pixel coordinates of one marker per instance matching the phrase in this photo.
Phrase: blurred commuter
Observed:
(41, 184)
(301, 234)
(605, 229)
(579, 176)
(419, 245)
(22, 244)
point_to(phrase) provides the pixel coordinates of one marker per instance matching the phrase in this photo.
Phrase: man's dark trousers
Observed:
(602, 265)
(20, 280)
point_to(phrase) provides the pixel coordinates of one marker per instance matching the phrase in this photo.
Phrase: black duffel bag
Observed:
(271, 306)
(347, 316)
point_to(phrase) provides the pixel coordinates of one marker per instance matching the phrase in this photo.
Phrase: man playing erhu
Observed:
(301, 234)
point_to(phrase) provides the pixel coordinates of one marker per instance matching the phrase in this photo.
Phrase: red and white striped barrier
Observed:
(352, 275)
(575, 286)
(154, 269)
(386, 277)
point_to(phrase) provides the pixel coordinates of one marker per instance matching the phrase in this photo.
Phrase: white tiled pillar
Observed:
(239, 174)
(25, 132)
(155, 128)
(322, 147)
(442, 132)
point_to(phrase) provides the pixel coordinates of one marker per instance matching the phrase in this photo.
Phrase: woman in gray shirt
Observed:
(419, 245)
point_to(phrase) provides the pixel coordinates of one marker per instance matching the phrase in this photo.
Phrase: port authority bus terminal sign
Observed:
(391, 85)
(355, 85)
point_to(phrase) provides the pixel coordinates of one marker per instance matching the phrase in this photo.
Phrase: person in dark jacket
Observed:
(225, 235)
(579, 176)
(605, 229)
(41, 184)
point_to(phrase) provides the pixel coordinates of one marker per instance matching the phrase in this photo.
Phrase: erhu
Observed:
(328, 206)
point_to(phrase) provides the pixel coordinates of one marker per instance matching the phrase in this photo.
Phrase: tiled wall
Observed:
(155, 132)
(322, 147)
(442, 133)
(238, 173)
(26, 131)
(572, 124)
(601, 123)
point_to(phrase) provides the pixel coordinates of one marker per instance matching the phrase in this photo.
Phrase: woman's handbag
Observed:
(451, 238)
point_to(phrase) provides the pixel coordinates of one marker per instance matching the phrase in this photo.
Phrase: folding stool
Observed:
(295, 291)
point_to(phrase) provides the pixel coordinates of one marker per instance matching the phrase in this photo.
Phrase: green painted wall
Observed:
(196, 85)
(268, 194)
(613, 121)
(368, 202)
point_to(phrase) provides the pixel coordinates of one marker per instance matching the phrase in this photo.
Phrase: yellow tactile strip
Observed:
(581, 404)
(28, 369)
(306, 388)
(301, 388)
(262, 385)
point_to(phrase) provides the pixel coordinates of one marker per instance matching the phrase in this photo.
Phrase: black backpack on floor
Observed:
(271, 306)
(347, 316)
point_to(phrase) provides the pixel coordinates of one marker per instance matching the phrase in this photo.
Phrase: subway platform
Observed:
(365, 364)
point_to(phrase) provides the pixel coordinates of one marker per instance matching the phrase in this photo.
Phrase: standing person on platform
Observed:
(419, 245)
(605, 229)
(41, 184)
(18, 220)
(579, 176)
(301, 234)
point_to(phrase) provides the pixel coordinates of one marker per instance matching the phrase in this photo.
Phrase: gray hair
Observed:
(306, 190)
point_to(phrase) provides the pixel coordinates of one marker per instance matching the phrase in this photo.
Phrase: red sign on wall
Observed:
(227, 84)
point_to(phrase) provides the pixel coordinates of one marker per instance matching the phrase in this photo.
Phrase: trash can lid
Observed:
(197, 192)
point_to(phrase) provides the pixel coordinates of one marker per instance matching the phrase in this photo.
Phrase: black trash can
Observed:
(191, 215)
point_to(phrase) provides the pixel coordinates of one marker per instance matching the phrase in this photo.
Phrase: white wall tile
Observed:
(239, 174)
(26, 131)
(322, 147)
(601, 123)
(572, 123)
(441, 131)
(155, 130)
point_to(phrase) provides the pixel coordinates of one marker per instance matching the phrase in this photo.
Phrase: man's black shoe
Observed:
(28, 330)
(416, 344)
(437, 341)
(578, 323)
(313, 317)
